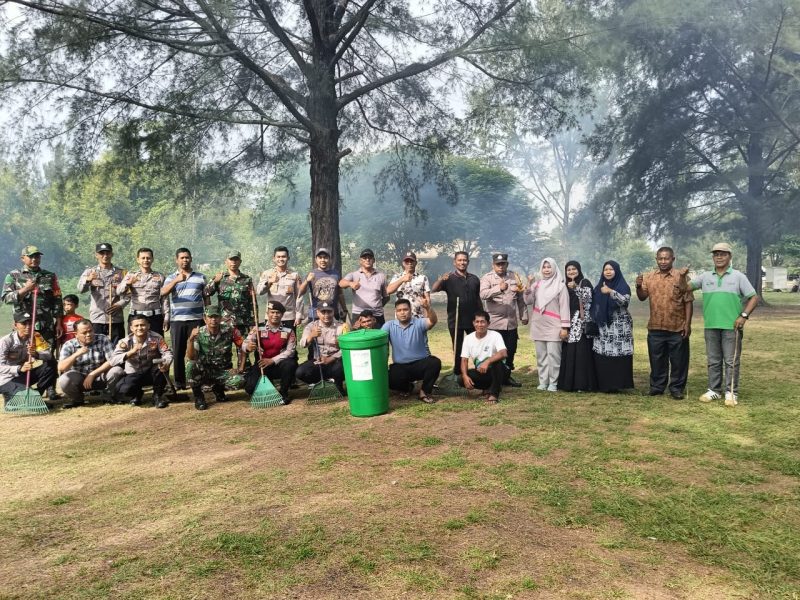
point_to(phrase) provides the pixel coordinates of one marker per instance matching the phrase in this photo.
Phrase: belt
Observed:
(147, 313)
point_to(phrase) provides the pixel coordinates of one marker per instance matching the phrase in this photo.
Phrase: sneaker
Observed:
(731, 399)
(710, 396)
(542, 387)
(553, 387)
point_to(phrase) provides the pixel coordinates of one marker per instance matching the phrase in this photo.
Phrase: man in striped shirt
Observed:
(186, 289)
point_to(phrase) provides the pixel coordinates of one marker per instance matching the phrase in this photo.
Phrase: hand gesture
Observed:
(605, 289)
(425, 303)
(316, 331)
(218, 277)
(639, 280)
(684, 271)
(91, 275)
(310, 277)
(407, 276)
(136, 347)
(132, 278)
(571, 284)
(445, 277)
(503, 285)
(82, 350)
(183, 276)
(354, 285)
(194, 334)
(273, 277)
(28, 287)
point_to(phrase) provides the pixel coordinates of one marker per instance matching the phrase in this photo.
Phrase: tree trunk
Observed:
(324, 155)
(753, 208)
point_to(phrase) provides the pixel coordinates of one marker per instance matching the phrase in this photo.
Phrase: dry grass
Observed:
(541, 496)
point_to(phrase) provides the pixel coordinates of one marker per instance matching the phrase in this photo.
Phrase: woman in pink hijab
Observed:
(549, 322)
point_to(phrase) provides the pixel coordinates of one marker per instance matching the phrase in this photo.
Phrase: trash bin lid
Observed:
(363, 338)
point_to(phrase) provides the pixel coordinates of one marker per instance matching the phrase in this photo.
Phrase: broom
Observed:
(448, 384)
(28, 402)
(265, 395)
(323, 392)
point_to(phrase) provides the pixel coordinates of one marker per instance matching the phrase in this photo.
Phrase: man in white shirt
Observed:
(482, 356)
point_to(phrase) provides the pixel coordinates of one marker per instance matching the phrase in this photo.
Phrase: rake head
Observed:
(448, 386)
(26, 402)
(324, 392)
(265, 395)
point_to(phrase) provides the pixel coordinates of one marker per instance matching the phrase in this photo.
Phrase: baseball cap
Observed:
(234, 254)
(212, 311)
(30, 251)
(409, 256)
(322, 251)
(103, 247)
(21, 316)
(722, 247)
(366, 252)
(275, 305)
(499, 258)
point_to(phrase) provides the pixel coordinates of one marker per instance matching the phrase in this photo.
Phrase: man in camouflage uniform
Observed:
(234, 294)
(101, 281)
(18, 291)
(209, 360)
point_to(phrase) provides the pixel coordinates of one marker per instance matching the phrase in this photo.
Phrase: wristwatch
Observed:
(744, 315)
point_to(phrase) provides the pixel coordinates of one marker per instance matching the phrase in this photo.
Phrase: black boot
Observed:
(199, 398)
(219, 394)
(159, 401)
(137, 399)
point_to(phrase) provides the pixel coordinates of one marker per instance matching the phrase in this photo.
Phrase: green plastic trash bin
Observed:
(365, 354)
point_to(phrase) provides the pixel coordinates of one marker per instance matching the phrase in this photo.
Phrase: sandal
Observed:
(427, 399)
(491, 400)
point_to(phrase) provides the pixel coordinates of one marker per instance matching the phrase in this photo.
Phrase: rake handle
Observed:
(32, 337)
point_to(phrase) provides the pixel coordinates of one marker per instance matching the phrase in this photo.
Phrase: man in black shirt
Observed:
(464, 287)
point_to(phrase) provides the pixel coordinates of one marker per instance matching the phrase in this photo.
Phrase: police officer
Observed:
(22, 351)
(281, 284)
(146, 359)
(278, 352)
(144, 287)
(18, 291)
(502, 290)
(101, 281)
(323, 333)
(209, 360)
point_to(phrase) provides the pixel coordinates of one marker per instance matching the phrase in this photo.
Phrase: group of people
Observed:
(583, 334)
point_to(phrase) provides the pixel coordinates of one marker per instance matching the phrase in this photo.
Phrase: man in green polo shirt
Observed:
(724, 290)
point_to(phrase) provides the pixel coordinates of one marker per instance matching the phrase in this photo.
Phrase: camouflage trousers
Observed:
(199, 373)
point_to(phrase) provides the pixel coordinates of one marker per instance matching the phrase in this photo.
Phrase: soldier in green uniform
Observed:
(209, 361)
(233, 290)
(18, 291)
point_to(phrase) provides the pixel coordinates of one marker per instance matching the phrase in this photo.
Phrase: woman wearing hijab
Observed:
(549, 321)
(613, 348)
(577, 361)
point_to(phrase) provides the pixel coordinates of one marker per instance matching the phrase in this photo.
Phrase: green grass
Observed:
(584, 496)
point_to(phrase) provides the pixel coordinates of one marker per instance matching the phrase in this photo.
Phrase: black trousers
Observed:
(669, 360)
(131, 384)
(43, 376)
(459, 340)
(402, 375)
(308, 372)
(117, 331)
(180, 332)
(492, 380)
(156, 323)
(285, 370)
(510, 339)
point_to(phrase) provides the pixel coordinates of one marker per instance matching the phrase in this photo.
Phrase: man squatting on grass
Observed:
(486, 351)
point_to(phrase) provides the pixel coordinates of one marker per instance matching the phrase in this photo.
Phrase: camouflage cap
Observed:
(234, 254)
(30, 251)
(212, 311)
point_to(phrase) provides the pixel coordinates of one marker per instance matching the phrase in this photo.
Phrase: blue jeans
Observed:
(720, 348)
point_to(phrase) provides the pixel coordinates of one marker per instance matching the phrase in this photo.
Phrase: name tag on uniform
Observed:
(284, 335)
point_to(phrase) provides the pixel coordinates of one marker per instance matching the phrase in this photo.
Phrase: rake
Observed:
(323, 392)
(265, 395)
(28, 401)
(448, 384)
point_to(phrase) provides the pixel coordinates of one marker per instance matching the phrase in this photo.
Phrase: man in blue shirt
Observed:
(411, 358)
(186, 289)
